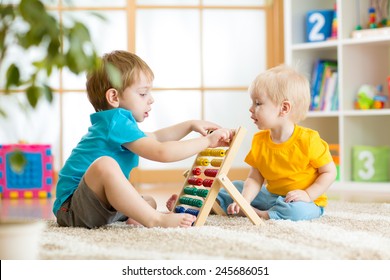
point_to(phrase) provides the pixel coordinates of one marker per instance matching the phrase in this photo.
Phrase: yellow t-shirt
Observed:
(290, 165)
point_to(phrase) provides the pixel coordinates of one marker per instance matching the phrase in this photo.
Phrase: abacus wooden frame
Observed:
(222, 181)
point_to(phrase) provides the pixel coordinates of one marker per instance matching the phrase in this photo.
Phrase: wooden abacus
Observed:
(205, 179)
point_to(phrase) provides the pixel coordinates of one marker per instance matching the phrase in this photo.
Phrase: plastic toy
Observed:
(372, 18)
(379, 102)
(204, 180)
(358, 25)
(365, 97)
(334, 24)
(36, 178)
(370, 97)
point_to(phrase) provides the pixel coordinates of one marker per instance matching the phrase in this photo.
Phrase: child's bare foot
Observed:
(171, 202)
(262, 214)
(176, 220)
(131, 221)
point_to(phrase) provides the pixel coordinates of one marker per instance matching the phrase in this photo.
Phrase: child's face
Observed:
(264, 112)
(138, 98)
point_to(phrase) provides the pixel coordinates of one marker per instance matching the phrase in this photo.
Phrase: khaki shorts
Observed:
(84, 209)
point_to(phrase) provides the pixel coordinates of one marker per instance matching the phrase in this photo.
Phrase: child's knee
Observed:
(294, 211)
(239, 184)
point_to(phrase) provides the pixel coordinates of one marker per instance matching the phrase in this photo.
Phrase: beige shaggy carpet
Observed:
(347, 231)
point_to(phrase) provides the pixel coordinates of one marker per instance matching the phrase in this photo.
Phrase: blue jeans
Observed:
(277, 208)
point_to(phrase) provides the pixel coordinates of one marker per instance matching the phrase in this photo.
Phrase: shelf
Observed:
(360, 192)
(377, 41)
(322, 114)
(373, 187)
(317, 45)
(363, 60)
(370, 112)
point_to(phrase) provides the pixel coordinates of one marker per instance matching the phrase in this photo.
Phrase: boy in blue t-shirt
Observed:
(93, 187)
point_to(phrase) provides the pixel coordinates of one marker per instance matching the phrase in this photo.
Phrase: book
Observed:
(321, 74)
(328, 100)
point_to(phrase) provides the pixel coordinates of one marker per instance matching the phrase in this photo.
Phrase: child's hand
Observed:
(233, 209)
(220, 137)
(203, 127)
(297, 195)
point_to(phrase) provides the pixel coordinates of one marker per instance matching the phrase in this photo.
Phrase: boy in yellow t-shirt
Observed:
(290, 166)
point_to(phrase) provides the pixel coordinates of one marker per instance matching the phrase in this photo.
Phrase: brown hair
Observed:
(129, 66)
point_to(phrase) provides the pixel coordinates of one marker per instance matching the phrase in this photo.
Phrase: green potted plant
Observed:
(41, 29)
(63, 46)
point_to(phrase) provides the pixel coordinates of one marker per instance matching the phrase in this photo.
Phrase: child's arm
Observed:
(180, 130)
(326, 176)
(252, 186)
(169, 151)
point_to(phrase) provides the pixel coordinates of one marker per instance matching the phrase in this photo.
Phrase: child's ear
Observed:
(112, 96)
(285, 108)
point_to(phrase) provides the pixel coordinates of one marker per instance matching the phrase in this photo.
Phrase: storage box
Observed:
(335, 152)
(370, 164)
(36, 178)
(319, 25)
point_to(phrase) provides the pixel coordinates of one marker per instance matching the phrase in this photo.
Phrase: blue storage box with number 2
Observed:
(371, 164)
(319, 25)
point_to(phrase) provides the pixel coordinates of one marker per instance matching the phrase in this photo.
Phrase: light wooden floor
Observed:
(42, 208)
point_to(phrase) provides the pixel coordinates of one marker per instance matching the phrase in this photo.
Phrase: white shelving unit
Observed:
(360, 61)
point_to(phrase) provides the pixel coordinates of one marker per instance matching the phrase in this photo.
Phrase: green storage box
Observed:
(370, 163)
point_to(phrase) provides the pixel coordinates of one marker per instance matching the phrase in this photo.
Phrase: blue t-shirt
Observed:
(110, 129)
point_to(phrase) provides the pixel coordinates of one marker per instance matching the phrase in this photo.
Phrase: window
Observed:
(204, 54)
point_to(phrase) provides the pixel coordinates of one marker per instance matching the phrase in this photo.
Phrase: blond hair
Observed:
(284, 83)
(129, 66)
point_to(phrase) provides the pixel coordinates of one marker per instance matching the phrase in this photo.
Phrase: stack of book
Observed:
(324, 89)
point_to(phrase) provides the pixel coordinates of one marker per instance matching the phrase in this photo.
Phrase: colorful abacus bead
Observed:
(190, 190)
(218, 152)
(213, 152)
(196, 171)
(211, 172)
(202, 192)
(207, 182)
(216, 162)
(179, 209)
(206, 152)
(195, 181)
(191, 201)
(202, 161)
(192, 211)
(195, 191)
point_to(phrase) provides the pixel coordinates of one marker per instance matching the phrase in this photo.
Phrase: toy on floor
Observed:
(35, 180)
(204, 180)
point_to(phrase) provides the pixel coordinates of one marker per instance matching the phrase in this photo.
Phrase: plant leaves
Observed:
(45, 31)
(3, 113)
(114, 76)
(48, 93)
(13, 76)
(33, 93)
